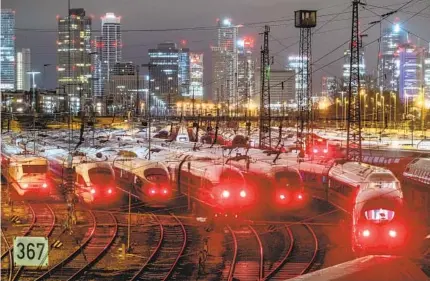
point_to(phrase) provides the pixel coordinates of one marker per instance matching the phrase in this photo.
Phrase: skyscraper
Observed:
(73, 56)
(184, 71)
(294, 63)
(111, 47)
(388, 70)
(169, 71)
(347, 67)
(245, 70)
(196, 74)
(224, 61)
(427, 74)
(122, 87)
(96, 67)
(23, 65)
(411, 72)
(282, 97)
(328, 86)
(7, 77)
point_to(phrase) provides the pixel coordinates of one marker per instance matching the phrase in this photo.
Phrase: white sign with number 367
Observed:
(30, 251)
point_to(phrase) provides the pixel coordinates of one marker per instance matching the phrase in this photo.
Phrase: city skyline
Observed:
(201, 41)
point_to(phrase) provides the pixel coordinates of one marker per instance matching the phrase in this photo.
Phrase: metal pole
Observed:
(129, 218)
(193, 101)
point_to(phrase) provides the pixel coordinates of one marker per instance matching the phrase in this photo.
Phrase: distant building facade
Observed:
(7, 55)
(23, 66)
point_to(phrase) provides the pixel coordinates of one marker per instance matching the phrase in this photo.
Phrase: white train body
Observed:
(26, 173)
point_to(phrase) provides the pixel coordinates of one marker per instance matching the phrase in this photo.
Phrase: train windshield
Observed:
(379, 215)
(101, 175)
(156, 175)
(34, 169)
(289, 179)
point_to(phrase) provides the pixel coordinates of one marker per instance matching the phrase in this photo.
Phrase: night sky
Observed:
(165, 14)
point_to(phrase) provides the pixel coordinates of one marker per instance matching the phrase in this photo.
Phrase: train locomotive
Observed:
(213, 187)
(26, 173)
(148, 180)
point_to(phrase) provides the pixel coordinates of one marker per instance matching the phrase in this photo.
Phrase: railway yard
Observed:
(117, 205)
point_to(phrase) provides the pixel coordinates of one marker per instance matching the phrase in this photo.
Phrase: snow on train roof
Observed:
(369, 268)
(356, 173)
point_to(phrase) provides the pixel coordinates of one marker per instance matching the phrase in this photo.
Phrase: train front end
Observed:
(153, 186)
(379, 225)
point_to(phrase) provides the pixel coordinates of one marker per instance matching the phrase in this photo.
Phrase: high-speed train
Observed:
(213, 186)
(148, 180)
(26, 173)
(373, 196)
(277, 186)
(93, 182)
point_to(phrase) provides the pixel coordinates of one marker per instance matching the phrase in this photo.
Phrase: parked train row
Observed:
(236, 181)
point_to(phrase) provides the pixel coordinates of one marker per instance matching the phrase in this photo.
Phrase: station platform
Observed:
(369, 268)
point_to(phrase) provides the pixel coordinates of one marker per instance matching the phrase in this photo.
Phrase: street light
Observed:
(33, 101)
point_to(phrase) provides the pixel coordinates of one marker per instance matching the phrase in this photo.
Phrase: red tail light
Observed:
(44, 185)
(225, 194)
(93, 191)
(325, 150)
(152, 191)
(366, 233)
(110, 191)
(242, 194)
(392, 233)
(164, 191)
(25, 185)
(315, 150)
(299, 196)
(282, 197)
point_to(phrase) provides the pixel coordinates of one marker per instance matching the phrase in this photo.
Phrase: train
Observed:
(147, 180)
(278, 187)
(93, 182)
(213, 187)
(26, 173)
(371, 194)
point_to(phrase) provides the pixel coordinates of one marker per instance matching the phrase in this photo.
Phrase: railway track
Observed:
(96, 242)
(277, 248)
(248, 264)
(43, 227)
(25, 232)
(169, 249)
(302, 255)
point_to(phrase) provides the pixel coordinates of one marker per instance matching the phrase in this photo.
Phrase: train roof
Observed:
(369, 268)
(419, 170)
(356, 173)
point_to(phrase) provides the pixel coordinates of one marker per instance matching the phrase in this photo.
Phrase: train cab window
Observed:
(101, 175)
(289, 179)
(34, 169)
(379, 215)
